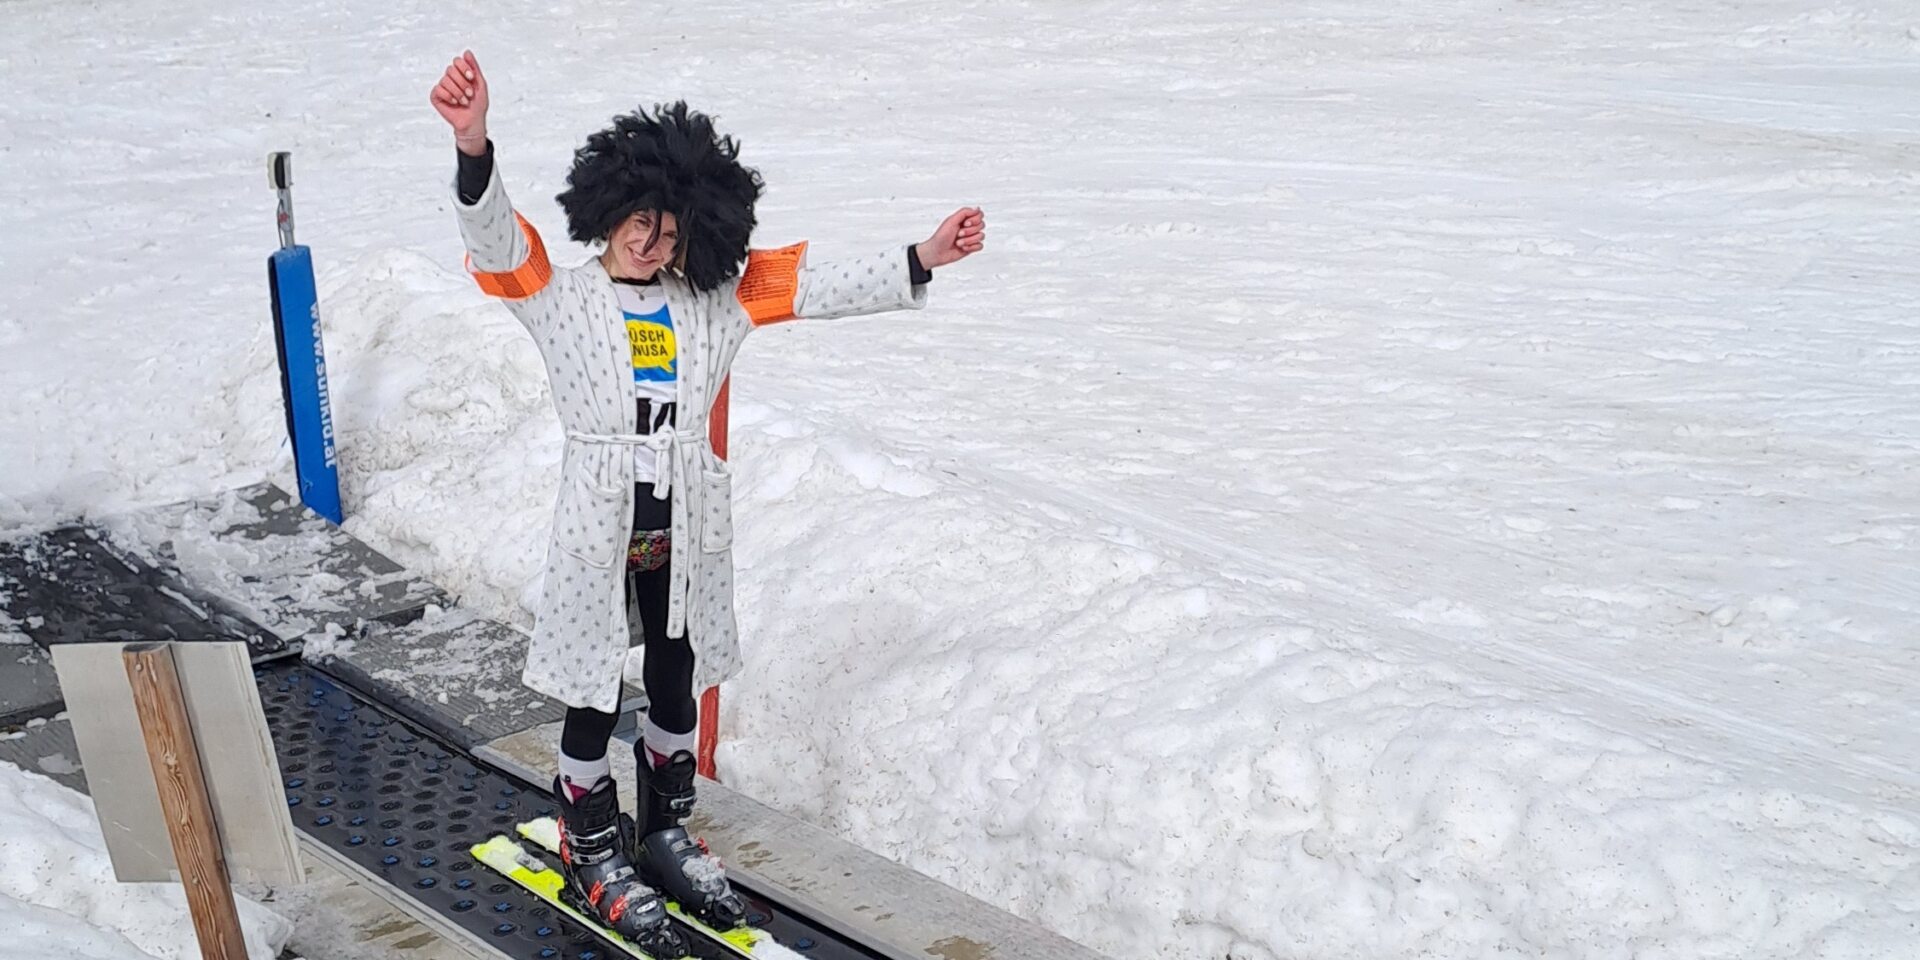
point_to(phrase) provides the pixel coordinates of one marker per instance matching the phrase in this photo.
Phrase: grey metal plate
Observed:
(29, 688)
(449, 938)
(46, 749)
(457, 674)
(286, 566)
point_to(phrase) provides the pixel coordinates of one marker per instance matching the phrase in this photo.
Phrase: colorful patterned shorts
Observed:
(647, 551)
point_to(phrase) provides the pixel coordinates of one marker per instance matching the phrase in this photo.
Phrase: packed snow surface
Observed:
(58, 896)
(1403, 480)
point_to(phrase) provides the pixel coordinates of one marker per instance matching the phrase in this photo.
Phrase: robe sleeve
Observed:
(504, 252)
(780, 285)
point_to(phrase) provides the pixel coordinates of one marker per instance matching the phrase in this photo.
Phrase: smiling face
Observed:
(641, 245)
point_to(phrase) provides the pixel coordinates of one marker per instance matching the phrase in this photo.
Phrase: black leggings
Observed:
(668, 672)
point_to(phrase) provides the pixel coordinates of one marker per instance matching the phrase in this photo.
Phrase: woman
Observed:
(637, 343)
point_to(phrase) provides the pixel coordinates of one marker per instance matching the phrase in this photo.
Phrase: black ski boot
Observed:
(601, 881)
(670, 859)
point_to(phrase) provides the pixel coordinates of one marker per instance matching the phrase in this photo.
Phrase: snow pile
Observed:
(36, 932)
(454, 433)
(58, 896)
(1095, 730)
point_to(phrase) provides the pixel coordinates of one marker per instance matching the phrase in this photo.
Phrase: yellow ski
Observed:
(743, 940)
(512, 861)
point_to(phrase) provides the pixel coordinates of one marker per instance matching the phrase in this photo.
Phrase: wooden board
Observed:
(242, 773)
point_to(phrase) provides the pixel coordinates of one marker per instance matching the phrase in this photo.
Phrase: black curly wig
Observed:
(672, 160)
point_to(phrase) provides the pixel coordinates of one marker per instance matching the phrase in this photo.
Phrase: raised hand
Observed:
(461, 99)
(963, 233)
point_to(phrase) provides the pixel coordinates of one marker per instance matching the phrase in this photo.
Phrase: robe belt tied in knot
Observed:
(660, 443)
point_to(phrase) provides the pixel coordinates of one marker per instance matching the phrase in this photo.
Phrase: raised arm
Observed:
(780, 285)
(504, 252)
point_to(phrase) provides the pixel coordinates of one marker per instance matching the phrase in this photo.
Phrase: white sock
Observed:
(580, 776)
(662, 745)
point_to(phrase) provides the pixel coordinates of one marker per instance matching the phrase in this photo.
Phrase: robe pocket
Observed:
(589, 520)
(716, 528)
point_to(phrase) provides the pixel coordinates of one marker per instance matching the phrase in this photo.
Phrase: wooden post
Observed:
(184, 799)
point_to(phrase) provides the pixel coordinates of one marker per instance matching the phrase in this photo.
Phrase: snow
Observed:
(1403, 479)
(58, 895)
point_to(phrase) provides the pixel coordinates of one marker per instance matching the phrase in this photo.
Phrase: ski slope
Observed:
(1404, 480)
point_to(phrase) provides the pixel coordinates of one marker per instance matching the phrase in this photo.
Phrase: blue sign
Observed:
(303, 378)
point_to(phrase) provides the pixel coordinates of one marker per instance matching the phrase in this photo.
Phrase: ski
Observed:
(743, 940)
(509, 859)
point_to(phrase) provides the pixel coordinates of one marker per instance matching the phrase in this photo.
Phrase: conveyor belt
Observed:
(404, 807)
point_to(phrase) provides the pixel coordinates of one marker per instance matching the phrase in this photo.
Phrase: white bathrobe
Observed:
(580, 636)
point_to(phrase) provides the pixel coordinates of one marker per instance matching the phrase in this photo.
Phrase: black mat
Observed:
(407, 807)
(71, 585)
